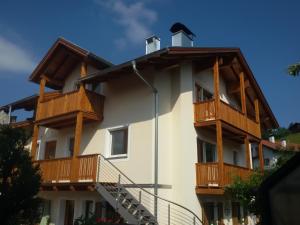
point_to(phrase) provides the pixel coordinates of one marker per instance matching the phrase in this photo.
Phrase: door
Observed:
(69, 212)
(208, 213)
(50, 150)
(236, 213)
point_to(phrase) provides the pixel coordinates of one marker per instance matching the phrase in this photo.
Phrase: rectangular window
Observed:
(267, 162)
(206, 151)
(202, 94)
(119, 140)
(50, 150)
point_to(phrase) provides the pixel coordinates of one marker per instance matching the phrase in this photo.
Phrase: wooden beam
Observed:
(247, 152)
(220, 150)
(34, 141)
(261, 156)
(42, 89)
(217, 87)
(243, 95)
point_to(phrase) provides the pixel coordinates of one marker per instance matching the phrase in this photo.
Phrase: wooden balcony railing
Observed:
(84, 168)
(209, 174)
(206, 111)
(70, 102)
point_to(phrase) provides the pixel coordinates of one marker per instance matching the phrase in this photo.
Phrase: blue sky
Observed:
(266, 31)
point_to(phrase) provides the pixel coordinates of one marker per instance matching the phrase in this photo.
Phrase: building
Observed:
(178, 122)
(280, 194)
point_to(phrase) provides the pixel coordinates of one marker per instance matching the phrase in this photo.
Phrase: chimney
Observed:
(182, 36)
(152, 44)
(272, 139)
(283, 143)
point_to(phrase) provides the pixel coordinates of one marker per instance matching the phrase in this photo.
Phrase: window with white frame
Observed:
(118, 142)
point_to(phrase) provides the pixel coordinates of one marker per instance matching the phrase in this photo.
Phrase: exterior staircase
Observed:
(137, 205)
(125, 204)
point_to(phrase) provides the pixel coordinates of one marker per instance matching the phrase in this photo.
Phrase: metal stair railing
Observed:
(168, 212)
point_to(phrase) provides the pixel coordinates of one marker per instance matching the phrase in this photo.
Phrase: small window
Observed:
(267, 162)
(210, 152)
(119, 141)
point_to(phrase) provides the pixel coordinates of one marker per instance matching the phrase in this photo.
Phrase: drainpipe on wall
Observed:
(155, 94)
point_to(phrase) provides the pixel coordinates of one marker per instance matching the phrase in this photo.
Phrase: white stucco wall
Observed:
(129, 102)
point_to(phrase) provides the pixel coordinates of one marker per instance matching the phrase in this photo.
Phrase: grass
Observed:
(293, 138)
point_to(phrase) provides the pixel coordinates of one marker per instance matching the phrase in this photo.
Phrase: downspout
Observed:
(155, 94)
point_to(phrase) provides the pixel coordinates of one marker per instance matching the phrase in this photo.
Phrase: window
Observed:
(202, 94)
(235, 158)
(206, 151)
(119, 141)
(71, 146)
(267, 162)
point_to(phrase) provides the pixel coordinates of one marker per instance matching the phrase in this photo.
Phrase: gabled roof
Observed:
(172, 55)
(61, 58)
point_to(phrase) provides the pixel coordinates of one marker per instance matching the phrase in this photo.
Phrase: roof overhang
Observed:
(61, 59)
(28, 104)
(170, 56)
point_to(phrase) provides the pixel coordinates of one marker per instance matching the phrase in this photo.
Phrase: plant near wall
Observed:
(19, 179)
(95, 220)
(245, 190)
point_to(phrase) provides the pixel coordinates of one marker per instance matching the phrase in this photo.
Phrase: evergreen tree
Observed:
(19, 179)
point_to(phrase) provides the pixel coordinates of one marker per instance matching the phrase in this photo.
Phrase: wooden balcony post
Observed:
(217, 87)
(34, 141)
(261, 156)
(243, 94)
(77, 143)
(220, 150)
(247, 152)
(42, 89)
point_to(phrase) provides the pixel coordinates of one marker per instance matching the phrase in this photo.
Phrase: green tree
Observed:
(245, 191)
(294, 70)
(19, 179)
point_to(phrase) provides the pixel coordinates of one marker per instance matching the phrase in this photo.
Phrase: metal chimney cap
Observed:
(181, 27)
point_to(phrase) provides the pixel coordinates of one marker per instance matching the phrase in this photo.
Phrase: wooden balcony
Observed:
(210, 180)
(68, 170)
(61, 109)
(205, 113)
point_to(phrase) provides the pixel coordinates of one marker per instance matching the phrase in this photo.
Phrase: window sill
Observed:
(112, 157)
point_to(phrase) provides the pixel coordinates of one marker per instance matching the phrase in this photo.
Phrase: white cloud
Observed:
(135, 18)
(14, 58)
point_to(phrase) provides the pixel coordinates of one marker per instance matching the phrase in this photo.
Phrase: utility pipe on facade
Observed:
(155, 94)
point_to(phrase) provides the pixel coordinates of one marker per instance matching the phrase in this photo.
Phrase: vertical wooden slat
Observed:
(243, 94)
(217, 87)
(261, 156)
(220, 150)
